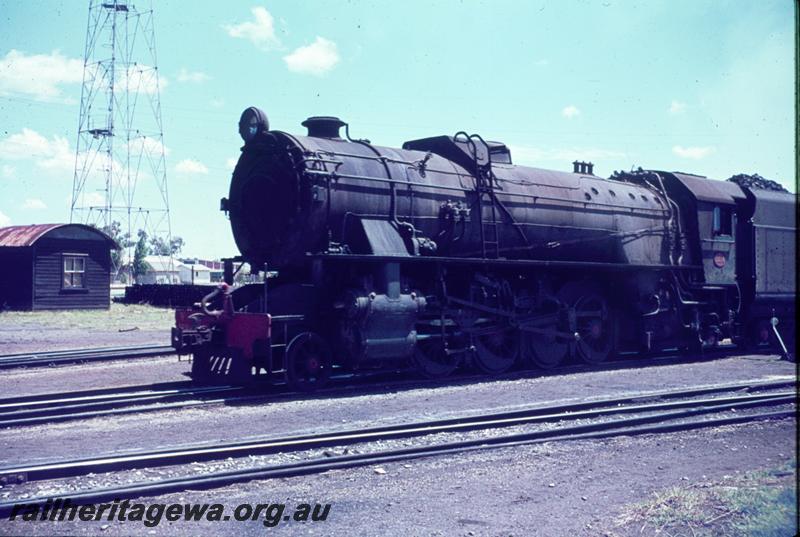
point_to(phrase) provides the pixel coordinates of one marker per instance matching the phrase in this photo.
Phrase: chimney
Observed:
(323, 126)
(578, 166)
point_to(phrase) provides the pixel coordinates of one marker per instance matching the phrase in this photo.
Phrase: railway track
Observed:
(47, 358)
(650, 413)
(68, 406)
(50, 408)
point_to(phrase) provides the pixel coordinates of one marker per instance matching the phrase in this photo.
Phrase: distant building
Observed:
(161, 269)
(55, 266)
(194, 273)
(215, 267)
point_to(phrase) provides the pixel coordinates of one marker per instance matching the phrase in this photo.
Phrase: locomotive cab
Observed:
(717, 234)
(711, 223)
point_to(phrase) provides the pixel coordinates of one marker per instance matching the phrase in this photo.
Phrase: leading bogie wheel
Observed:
(308, 362)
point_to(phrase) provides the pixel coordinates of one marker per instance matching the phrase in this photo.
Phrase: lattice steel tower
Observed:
(120, 167)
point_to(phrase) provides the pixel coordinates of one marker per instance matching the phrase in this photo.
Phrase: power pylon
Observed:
(120, 166)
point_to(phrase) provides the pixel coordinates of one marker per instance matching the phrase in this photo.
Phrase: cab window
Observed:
(723, 221)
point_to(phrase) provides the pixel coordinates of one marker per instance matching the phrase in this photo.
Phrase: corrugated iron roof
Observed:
(162, 263)
(25, 236)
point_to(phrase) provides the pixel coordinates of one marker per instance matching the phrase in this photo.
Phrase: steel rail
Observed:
(65, 413)
(546, 414)
(82, 350)
(39, 359)
(22, 410)
(38, 409)
(68, 398)
(112, 391)
(61, 409)
(623, 427)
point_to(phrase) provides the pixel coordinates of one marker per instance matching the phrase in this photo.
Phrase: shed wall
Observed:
(48, 275)
(16, 269)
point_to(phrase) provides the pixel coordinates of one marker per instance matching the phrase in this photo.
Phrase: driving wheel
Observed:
(496, 347)
(546, 350)
(594, 326)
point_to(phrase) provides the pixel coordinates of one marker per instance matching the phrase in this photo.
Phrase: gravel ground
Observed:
(493, 492)
(93, 375)
(53, 339)
(304, 416)
(118, 479)
(570, 488)
(119, 326)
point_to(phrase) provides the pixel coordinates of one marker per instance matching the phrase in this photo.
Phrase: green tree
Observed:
(121, 240)
(140, 266)
(756, 181)
(159, 246)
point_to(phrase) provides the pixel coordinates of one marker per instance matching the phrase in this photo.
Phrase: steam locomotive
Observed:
(443, 253)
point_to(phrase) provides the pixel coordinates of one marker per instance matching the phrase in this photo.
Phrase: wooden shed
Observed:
(55, 266)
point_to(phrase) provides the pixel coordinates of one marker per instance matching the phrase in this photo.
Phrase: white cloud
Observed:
(217, 103)
(315, 59)
(4, 220)
(39, 76)
(147, 145)
(34, 204)
(189, 166)
(141, 79)
(92, 199)
(677, 107)
(184, 75)
(570, 111)
(533, 155)
(695, 153)
(231, 163)
(260, 32)
(52, 154)
(8, 172)
(544, 62)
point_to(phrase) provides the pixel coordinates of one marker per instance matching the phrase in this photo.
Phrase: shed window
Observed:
(74, 271)
(723, 221)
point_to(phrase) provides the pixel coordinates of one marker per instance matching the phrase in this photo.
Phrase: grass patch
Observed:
(118, 317)
(757, 504)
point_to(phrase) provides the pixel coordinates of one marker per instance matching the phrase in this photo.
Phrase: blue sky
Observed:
(699, 86)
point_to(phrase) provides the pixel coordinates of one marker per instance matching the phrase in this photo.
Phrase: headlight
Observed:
(252, 122)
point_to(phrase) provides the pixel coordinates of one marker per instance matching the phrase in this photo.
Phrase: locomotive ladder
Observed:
(490, 235)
